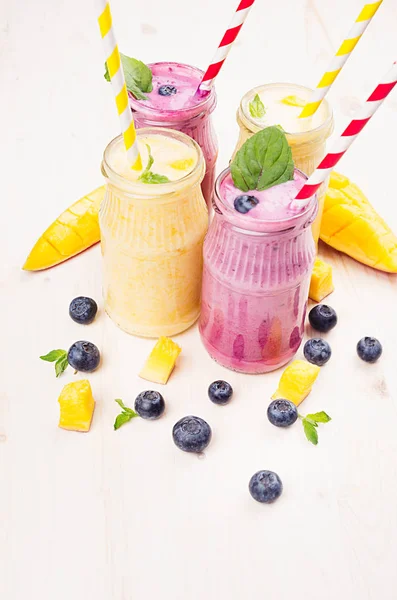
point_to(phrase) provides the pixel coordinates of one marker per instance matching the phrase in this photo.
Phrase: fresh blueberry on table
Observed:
(282, 413)
(149, 405)
(323, 318)
(191, 434)
(84, 356)
(369, 349)
(317, 351)
(83, 310)
(167, 90)
(265, 486)
(245, 203)
(220, 392)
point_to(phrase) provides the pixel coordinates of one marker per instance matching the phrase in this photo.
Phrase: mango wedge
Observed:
(293, 101)
(321, 283)
(297, 381)
(350, 224)
(161, 361)
(74, 230)
(77, 406)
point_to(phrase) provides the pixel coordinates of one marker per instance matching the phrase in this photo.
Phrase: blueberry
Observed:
(84, 356)
(245, 203)
(220, 392)
(282, 413)
(369, 349)
(149, 405)
(167, 90)
(265, 486)
(317, 351)
(191, 434)
(323, 318)
(83, 310)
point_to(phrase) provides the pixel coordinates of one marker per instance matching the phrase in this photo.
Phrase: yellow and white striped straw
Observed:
(113, 61)
(346, 48)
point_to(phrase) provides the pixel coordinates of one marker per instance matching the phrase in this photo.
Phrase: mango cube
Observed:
(321, 284)
(297, 381)
(161, 361)
(293, 101)
(77, 406)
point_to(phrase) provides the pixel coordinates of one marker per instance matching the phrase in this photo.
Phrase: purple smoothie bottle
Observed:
(173, 103)
(257, 269)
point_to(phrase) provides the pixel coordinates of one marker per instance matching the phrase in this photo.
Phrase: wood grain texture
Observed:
(124, 515)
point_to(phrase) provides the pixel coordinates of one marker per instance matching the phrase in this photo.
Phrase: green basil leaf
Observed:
(320, 417)
(122, 418)
(54, 355)
(257, 108)
(263, 161)
(138, 76)
(61, 365)
(125, 408)
(149, 177)
(310, 432)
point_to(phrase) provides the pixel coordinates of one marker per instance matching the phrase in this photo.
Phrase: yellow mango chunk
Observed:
(77, 406)
(183, 164)
(321, 284)
(75, 230)
(293, 101)
(161, 361)
(351, 224)
(297, 381)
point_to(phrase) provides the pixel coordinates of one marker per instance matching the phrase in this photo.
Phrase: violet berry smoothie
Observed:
(258, 258)
(173, 103)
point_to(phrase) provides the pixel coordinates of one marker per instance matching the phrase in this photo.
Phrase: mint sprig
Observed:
(138, 76)
(310, 424)
(257, 108)
(126, 415)
(263, 161)
(60, 358)
(147, 176)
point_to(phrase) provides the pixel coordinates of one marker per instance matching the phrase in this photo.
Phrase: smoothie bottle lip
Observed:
(206, 104)
(298, 134)
(262, 226)
(136, 188)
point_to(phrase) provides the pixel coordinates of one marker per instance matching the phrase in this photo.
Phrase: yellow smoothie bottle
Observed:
(282, 105)
(152, 234)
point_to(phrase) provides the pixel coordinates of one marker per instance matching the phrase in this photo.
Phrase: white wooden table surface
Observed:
(125, 515)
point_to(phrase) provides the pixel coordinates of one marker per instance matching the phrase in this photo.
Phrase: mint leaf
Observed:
(124, 416)
(320, 417)
(257, 108)
(310, 432)
(61, 365)
(263, 161)
(147, 176)
(53, 355)
(138, 76)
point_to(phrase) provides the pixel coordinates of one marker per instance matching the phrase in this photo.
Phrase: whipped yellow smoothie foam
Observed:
(281, 104)
(153, 225)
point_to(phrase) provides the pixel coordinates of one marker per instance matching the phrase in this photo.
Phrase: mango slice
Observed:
(161, 361)
(321, 283)
(351, 224)
(182, 164)
(75, 230)
(77, 406)
(297, 381)
(294, 101)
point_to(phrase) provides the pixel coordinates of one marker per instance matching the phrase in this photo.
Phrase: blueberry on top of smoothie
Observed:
(245, 203)
(167, 90)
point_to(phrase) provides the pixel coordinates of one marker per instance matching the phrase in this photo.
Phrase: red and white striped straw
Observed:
(226, 43)
(351, 132)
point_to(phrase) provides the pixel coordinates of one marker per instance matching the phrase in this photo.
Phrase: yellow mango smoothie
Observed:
(153, 223)
(281, 104)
